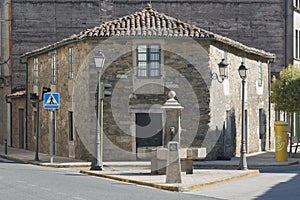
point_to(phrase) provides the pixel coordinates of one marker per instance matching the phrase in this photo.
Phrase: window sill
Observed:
(148, 77)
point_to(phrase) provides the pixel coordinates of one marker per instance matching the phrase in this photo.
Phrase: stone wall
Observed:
(186, 68)
(39, 23)
(226, 98)
(258, 24)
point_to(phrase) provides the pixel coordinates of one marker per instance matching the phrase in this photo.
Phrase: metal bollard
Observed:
(5, 146)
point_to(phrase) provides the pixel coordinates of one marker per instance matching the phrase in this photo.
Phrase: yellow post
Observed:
(281, 129)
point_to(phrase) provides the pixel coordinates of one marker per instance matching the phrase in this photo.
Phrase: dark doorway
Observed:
(21, 128)
(262, 129)
(148, 129)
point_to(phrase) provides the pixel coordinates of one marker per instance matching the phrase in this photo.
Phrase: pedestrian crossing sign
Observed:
(51, 100)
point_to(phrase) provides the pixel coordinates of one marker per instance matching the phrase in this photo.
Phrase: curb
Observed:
(13, 159)
(212, 166)
(169, 187)
(200, 186)
(117, 178)
(37, 163)
(61, 165)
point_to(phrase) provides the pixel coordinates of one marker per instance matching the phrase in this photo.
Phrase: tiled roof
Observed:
(149, 23)
(17, 94)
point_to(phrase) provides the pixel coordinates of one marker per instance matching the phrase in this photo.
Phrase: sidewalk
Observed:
(205, 173)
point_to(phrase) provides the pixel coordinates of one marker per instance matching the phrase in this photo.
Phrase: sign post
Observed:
(51, 101)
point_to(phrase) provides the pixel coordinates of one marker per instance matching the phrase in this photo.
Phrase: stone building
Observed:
(147, 54)
(272, 25)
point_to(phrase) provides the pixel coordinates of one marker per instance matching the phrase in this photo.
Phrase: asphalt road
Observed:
(23, 182)
(272, 183)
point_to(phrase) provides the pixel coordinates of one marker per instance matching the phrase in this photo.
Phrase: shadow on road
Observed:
(284, 190)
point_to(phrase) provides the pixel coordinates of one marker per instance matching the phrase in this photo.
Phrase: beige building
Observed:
(147, 54)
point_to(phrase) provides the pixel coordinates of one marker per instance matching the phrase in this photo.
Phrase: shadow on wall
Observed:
(225, 148)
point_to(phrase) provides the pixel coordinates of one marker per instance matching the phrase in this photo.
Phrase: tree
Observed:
(285, 91)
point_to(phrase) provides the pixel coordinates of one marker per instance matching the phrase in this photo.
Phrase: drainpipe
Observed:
(286, 15)
(270, 62)
(9, 121)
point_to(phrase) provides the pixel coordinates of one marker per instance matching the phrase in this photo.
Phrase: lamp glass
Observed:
(222, 68)
(99, 60)
(243, 71)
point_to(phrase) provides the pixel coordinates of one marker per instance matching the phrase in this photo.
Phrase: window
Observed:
(70, 63)
(260, 81)
(296, 3)
(148, 60)
(71, 127)
(262, 124)
(226, 61)
(297, 44)
(35, 71)
(53, 69)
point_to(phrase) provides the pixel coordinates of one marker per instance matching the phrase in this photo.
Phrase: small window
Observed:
(296, 44)
(226, 61)
(71, 127)
(260, 81)
(71, 63)
(53, 69)
(35, 71)
(296, 3)
(148, 60)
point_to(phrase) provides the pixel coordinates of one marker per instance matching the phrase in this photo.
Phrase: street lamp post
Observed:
(97, 158)
(243, 160)
(36, 103)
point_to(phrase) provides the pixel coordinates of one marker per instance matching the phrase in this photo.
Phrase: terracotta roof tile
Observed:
(17, 94)
(147, 22)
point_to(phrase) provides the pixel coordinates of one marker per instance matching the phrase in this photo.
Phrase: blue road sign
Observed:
(51, 100)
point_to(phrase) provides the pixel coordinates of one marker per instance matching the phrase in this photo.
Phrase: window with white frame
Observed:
(148, 60)
(297, 3)
(259, 72)
(35, 71)
(297, 44)
(71, 63)
(53, 69)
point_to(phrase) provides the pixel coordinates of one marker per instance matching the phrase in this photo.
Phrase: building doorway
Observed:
(148, 130)
(21, 129)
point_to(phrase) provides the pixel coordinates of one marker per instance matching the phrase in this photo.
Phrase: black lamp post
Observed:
(222, 72)
(243, 160)
(97, 158)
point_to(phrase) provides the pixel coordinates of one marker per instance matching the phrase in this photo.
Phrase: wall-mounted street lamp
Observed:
(243, 160)
(99, 60)
(222, 72)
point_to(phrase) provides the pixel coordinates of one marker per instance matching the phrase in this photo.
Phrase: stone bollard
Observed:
(173, 164)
